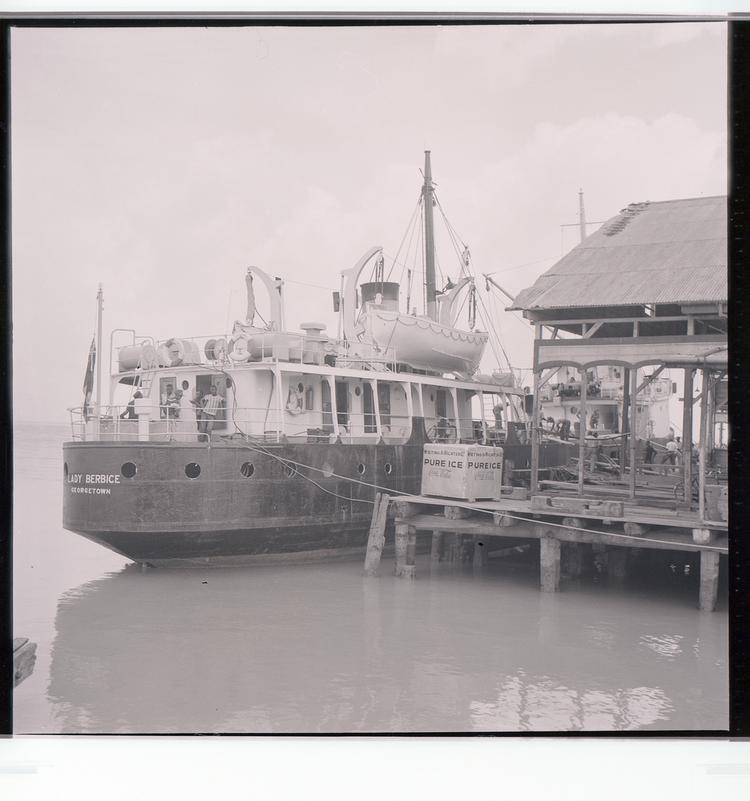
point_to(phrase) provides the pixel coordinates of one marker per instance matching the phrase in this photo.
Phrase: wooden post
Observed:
(480, 552)
(376, 538)
(549, 563)
(455, 546)
(617, 564)
(709, 587)
(633, 429)
(571, 559)
(437, 541)
(687, 436)
(582, 431)
(624, 420)
(411, 546)
(403, 568)
(535, 437)
(705, 391)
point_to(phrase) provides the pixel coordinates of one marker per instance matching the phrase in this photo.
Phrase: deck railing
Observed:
(148, 422)
(278, 346)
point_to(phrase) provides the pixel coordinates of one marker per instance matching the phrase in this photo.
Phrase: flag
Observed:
(88, 378)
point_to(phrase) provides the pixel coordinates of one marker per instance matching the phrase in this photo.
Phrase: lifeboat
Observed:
(425, 344)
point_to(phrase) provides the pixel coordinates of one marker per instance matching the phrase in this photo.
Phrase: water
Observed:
(319, 648)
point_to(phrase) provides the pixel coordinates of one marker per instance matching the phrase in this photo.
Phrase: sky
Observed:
(162, 162)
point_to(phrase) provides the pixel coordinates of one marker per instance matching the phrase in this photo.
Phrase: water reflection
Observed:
(321, 649)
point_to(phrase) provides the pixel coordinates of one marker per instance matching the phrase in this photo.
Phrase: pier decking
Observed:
(614, 527)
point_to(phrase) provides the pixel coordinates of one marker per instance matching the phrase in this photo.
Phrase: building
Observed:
(644, 293)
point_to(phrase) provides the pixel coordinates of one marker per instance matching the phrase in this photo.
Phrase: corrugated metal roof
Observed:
(672, 251)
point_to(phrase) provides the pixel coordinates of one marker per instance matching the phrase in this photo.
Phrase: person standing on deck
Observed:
(186, 424)
(197, 403)
(129, 413)
(211, 406)
(672, 448)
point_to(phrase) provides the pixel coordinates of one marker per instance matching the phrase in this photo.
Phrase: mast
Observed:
(429, 239)
(99, 307)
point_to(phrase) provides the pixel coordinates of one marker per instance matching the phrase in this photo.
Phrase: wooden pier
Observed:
(471, 530)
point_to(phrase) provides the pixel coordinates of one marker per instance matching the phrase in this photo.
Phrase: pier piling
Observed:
(617, 564)
(480, 552)
(405, 551)
(376, 538)
(549, 563)
(709, 583)
(437, 541)
(571, 559)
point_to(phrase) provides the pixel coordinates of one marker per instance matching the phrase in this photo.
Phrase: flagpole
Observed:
(99, 307)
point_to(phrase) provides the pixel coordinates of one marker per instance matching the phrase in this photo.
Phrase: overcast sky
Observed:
(162, 162)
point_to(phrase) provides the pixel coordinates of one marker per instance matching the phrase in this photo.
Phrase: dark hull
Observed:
(161, 516)
(246, 505)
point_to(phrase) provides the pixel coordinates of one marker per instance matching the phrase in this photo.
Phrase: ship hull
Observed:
(248, 503)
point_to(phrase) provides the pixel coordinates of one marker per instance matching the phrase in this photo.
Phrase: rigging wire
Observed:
(409, 231)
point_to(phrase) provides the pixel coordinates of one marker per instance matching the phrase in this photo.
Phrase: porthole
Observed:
(128, 470)
(327, 470)
(65, 471)
(247, 469)
(186, 385)
(192, 470)
(357, 391)
(388, 468)
(361, 469)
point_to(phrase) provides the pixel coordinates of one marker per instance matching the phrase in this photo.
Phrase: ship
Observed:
(267, 444)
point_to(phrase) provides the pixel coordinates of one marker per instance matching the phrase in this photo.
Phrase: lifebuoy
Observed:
(220, 350)
(148, 360)
(176, 351)
(294, 401)
(238, 350)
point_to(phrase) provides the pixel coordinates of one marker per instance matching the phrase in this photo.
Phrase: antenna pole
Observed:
(429, 239)
(581, 215)
(99, 308)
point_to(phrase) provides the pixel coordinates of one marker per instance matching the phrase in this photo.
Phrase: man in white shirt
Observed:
(211, 406)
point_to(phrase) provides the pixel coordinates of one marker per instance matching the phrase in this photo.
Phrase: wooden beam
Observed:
(624, 420)
(535, 436)
(582, 432)
(594, 328)
(679, 318)
(706, 392)
(646, 381)
(687, 437)
(633, 429)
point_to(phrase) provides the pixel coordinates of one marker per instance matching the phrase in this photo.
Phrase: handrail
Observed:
(168, 422)
(285, 346)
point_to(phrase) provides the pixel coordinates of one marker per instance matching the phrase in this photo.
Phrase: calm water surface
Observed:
(319, 648)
